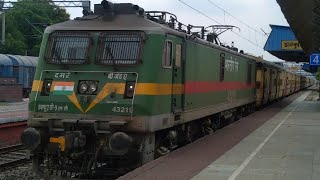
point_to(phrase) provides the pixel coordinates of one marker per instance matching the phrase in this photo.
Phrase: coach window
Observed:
(167, 55)
(222, 66)
(178, 55)
(258, 84)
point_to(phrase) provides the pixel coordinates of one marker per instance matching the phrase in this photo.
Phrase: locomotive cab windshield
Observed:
(68, 48)
(109, 47)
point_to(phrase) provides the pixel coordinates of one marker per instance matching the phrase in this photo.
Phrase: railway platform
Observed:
(286, 147)
(13, 112)
(13, 118)
(280, 141)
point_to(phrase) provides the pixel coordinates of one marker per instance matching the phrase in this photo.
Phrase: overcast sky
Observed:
(259, 14)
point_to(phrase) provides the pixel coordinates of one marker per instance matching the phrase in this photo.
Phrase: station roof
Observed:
(304, 18)
(283, 44)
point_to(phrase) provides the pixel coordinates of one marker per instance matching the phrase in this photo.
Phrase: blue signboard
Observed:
(315, 59)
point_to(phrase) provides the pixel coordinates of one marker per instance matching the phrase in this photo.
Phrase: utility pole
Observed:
(85, 4)
(3, 24)
(3, 31)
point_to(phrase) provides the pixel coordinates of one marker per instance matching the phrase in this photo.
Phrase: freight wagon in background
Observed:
(16, 74)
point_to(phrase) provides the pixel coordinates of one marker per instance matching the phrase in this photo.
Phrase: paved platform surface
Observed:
(188, 161)
(13, 112)
(287, 147)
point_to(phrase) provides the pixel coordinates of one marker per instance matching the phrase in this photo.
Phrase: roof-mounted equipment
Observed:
(162, 17)
(216, 31)
(109, 10)
(211, 32)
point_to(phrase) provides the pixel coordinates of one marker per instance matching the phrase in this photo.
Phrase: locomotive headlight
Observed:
(83, 87)
(88, 87)
(93, 87)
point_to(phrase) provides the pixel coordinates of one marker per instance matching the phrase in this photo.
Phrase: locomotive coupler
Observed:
(74, 140)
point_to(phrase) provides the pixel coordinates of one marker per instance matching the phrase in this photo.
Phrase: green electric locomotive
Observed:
(119, 87)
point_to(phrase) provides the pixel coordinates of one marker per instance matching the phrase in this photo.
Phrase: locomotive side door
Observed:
(178, 56)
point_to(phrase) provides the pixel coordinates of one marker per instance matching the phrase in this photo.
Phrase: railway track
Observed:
(12, 156)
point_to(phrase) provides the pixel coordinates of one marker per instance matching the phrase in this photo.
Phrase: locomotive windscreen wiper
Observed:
(56, 54)
(111, 54)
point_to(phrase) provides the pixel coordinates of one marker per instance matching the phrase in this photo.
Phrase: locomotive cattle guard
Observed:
(117, 88)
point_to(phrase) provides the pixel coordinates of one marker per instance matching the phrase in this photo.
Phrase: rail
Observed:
(12, 156)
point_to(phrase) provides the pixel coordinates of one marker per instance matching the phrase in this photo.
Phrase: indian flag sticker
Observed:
(63, 88)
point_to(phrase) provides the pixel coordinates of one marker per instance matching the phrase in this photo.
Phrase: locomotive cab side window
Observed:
(249, 75)
(178, 56)
(222, 66)
(167, 55)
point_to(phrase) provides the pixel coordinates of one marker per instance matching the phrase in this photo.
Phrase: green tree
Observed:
(26, 22)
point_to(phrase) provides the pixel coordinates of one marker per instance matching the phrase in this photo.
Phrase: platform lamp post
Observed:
(318, 83)
(318, 78)
(315, 61)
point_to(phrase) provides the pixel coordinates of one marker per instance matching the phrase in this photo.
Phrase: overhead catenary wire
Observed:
(186, 4)
(226, 12)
